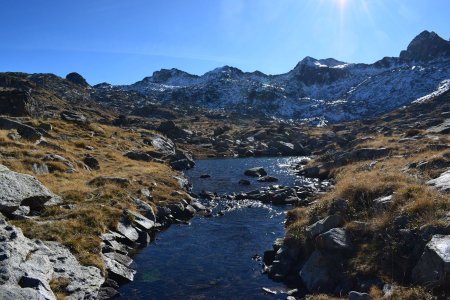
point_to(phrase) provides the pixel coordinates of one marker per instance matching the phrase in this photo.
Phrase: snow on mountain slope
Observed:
(315, 89)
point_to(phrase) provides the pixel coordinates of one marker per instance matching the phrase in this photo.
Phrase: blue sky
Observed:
(120, 41)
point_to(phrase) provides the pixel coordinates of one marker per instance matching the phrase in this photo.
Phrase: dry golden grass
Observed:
(361, 184)
(95, 209)
(58, 286)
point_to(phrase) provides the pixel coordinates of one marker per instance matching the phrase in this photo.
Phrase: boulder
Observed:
(25, 131)
(324, 225)
(30, 265)
(161, 144)
(244, 182)
(443, 128)
(255, 172)
(91, 162)
(125, 228)
(172, 131)
(315, 274)
(74, 117)
(140, 221)
(17, 293)
(433, 268)
(118, 271)
(182, 160)
(442, 182)
(17, 103)
(138, 155)
(21, 190)
(267, 178)
(336, 239)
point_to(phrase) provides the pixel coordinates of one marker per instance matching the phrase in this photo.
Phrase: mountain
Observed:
(316, 89)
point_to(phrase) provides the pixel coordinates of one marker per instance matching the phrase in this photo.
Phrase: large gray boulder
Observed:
(27, 267)
(442, 182)
(433, 268)
(21, 190)
(25, 131)
(324, 225)
(315, 274)
(336, 239)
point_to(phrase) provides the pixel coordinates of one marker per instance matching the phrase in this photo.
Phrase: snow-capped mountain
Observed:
(325, 89)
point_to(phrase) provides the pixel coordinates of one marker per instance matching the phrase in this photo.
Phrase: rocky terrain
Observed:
(89, 173)
(383, 231)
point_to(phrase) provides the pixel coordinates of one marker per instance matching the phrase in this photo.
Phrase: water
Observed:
(212, 258)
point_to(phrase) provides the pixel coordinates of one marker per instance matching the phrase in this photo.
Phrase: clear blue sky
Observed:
(122, 41)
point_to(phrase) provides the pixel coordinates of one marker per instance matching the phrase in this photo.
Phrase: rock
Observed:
(125, 228)
(182, 161)
(180, 212)
(107, 293)
(336, 239)
(358, 296)
(182, 164)
(120, 258)
(18, 293)
(140, 221)
(323, 225)
(21, 213)
(32, 264)
(383, 203)
(25, 131)
(20, 189)
(91, 162)
(244, 182)
(285, 149)
(203, 176)
(267, 179)
(198, 206)
(74, 117)
(102, 180)
(137, 155)
(118, 271)
(442, 182)
(17, 103)
(77, 79)
(146, 208)
(162, 145)
(315, 274)
(255, 172)
(433, 268)
(14, 135)
(172, 131)
(443, 128)
(39, 169)
(282, 197)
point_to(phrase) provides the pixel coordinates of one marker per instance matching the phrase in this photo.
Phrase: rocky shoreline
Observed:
(32, 269)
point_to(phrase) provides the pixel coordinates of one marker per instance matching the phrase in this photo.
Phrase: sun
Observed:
(342, 3)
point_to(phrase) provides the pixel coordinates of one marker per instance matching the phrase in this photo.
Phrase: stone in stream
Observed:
(267, 179)
(255, 172)
(203, 176)
(244, 182)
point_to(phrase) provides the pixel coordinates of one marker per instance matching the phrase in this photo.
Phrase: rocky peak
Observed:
(165, 75)
(426, 46)
(77, 79)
